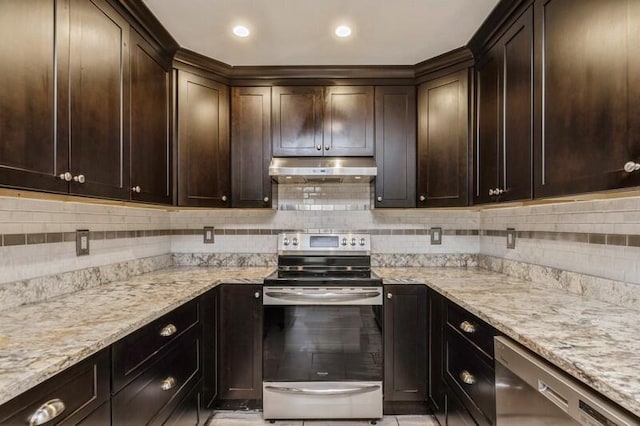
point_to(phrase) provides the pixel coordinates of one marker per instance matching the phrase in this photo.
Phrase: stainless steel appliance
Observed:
(322, 341)
(323, 169)
(530, 391)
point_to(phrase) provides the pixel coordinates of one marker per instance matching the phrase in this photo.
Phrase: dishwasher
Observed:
(530, 391)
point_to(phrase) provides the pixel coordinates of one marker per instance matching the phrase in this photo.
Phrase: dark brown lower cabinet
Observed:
(405, 343)
(437, 393)
(82, 389)
(210, 310)
(240, 345)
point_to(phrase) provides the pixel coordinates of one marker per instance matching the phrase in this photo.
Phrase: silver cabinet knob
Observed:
(379, 198)
(467, 327)
(168, 330)
(224, 198)
(256, 295)
(265, 199)
(79, 179)
(318, 147)
(631, 166)
(66, 176)
(467, 377)
(422, 198)
(46, 412)
(136, 189)
(389, 295)
(168, 383)
(491, 192)
(326, 147)
(499, 191)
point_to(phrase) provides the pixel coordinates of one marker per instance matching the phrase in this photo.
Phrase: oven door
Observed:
(322, 346)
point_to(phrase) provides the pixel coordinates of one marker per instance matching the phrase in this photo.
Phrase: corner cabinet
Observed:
(443, 137)
(504, 100)
(395, 117)
(250, 146)
(587, 95)
(405, 344)
(203, 142)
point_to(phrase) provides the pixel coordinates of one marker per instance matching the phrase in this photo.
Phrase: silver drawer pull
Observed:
(168, 383)
(467, 327)
(325, 392)
(47, 412)
(467, 377)
(168, 330)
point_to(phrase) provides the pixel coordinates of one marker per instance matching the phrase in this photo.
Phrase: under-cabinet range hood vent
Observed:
(323, 169)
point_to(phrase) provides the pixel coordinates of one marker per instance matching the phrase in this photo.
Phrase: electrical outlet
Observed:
(209, 232)
(511, 238)
(82, 242)
(436, 236)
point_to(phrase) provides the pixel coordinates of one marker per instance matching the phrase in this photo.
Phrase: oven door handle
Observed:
(325, 297)
(325, 392)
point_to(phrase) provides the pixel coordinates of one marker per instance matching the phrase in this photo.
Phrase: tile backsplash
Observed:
(325, 196)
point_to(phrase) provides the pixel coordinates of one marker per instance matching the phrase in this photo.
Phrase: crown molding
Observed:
(151, 25)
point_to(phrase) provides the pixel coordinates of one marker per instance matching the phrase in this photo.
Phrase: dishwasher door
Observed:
(530, 391)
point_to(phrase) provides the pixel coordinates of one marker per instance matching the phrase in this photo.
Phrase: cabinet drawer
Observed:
(468, 372)
(474, 330)
(132, 354)
(159, 385)
(80, 389)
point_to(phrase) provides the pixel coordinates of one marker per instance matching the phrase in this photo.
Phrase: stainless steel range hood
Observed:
(323, 169)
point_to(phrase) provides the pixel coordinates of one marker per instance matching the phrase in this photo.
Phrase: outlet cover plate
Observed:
(511, 238)
(208, 235)
(436, 236)
(82, 242)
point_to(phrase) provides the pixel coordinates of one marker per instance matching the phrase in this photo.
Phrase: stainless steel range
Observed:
(323, 351)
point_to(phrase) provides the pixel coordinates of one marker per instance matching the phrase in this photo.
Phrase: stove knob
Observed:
(344, 241)
(285, 241)
(294, 241)
(362, 241)
(353, 241)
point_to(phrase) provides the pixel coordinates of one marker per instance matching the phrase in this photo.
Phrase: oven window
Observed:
(318, 343)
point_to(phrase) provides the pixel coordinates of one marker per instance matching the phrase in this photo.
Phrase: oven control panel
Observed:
(347, 243)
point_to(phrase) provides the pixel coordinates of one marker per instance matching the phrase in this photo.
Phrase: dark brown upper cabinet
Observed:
(395, 116)
(348, 121)
(587, 95)
(98, 99)
(150, 135)
(29, 154)
(250, 146)
(504, 116)
(297, 121)
(443, 135)
(203, 142)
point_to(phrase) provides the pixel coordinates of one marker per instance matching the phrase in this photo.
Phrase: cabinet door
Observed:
(443, 135)
(517, 90)
(240, 342)
(395, 146)
(633, 178)
(27, 105)
(210, 356)
(150, 136)
(98, 100)
(583, 53)
(487, 154)
(437, 390)
(203, 142)
(405, 343)
(348, 121)
(297, 121)
(250, 146)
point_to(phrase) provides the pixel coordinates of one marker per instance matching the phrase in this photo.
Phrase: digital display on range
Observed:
(324, 241)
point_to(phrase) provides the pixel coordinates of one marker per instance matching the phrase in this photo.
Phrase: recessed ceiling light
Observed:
(343, 31)
(241, 31)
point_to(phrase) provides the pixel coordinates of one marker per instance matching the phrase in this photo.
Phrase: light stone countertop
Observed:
(593, 341)
(40, 340)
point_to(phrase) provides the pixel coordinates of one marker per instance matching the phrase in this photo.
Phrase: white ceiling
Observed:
(301, 32)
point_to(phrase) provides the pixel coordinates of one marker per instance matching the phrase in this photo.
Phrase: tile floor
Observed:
(254, 418)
